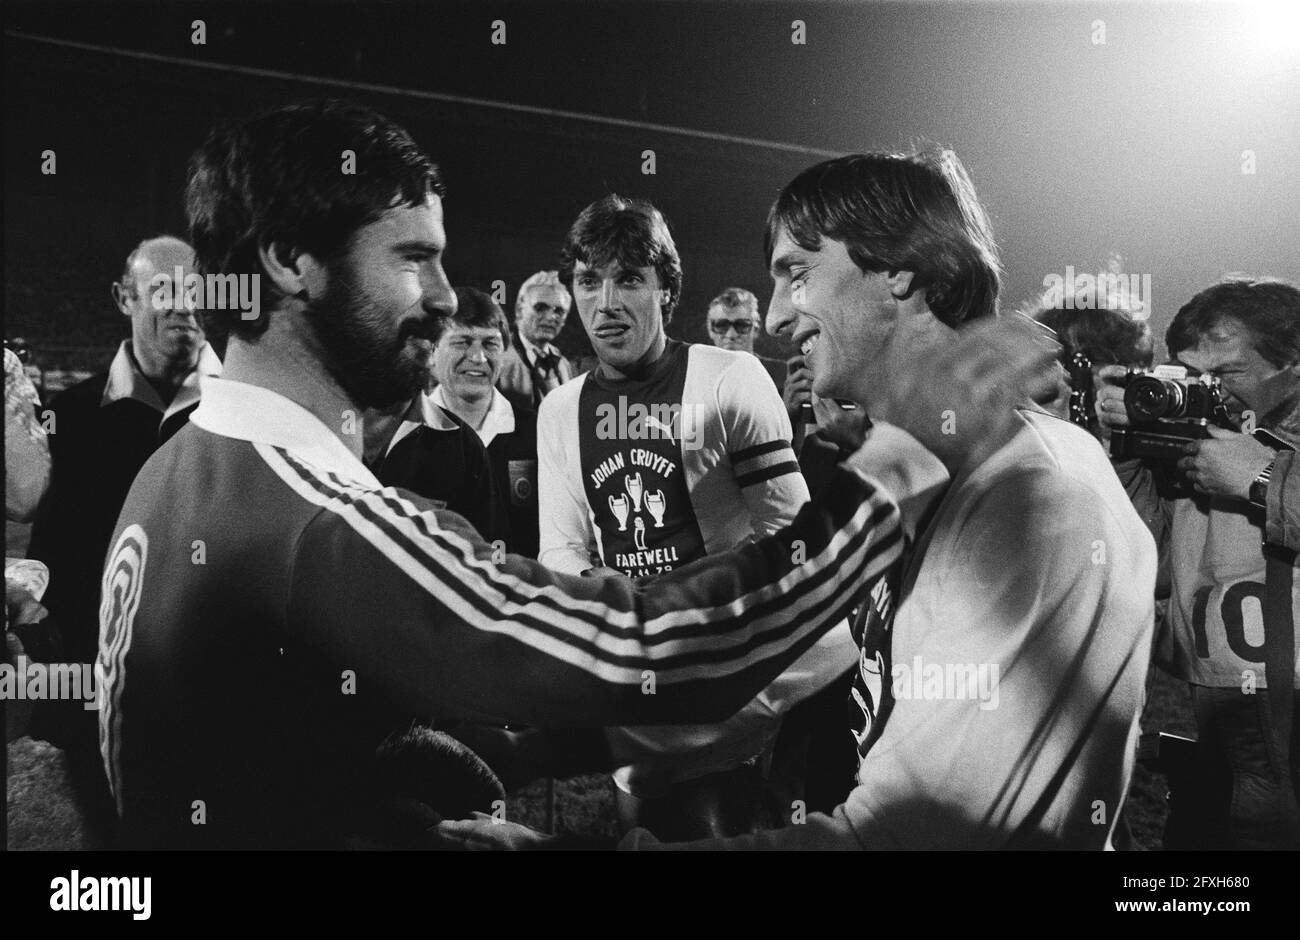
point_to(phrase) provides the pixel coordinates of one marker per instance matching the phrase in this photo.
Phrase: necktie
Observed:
(547, 368)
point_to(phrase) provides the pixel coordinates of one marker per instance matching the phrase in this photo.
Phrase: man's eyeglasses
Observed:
(742, 327)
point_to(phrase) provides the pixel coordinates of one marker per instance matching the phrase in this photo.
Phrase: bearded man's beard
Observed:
(376, 363)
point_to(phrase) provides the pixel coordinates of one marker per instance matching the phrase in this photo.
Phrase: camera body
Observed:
(1165, 410)
(1083, 391)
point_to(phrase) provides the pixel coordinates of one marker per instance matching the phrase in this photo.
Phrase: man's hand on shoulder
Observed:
(960, 398)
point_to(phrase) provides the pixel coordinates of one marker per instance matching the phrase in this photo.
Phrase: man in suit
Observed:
(536, 366)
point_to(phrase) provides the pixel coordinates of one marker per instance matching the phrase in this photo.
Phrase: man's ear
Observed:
(120, 299)
(900, 283)
(292, 271)
(665, 295)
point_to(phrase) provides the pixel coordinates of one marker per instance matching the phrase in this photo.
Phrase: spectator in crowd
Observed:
(27, 475)
(106, 427)
(1033, 567)
(27, 448)
(103, 430)
(315, 574)
(424, 447)
(1230, 627)
(536, 367)
(709, 467)
(466, 361)
(1280, 492)
(1106, 331)
(734, 322)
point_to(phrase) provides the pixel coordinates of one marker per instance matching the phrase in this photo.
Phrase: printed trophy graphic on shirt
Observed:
(634, 489)
(618, 506)
(638, 535)
(871, 673)
(656, 503)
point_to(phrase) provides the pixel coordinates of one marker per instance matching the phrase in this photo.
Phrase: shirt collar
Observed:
(500, 417)
(258, 415)
(427, 409)
(125, 380)
(536, 352)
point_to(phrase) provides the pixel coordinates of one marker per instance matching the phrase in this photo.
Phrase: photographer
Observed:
(1221, 523)
(1091, 338)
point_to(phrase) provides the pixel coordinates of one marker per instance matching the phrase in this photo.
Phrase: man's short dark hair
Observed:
(627, 231)
(475, 308)
(899, 212)
(281, 177)
(1267, 307)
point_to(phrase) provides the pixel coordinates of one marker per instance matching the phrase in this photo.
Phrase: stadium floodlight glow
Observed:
(1271, 28)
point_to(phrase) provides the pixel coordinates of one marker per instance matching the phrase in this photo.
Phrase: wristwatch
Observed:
(1258, 493)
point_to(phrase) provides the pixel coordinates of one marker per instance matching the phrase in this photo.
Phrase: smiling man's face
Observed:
(467, 360)
(376, 320)
(842, 318)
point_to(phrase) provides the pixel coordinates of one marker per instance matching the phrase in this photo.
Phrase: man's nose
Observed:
(608, 294)
(439, 298)
(780, 314)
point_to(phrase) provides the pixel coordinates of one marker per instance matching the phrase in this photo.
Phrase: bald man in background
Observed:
(105, 428)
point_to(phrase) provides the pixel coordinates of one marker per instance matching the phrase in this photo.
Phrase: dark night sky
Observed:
(1078, 149)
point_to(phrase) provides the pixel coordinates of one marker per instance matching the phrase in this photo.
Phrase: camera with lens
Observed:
(1165, 410)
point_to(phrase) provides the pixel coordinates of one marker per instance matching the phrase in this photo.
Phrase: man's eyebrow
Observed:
(418, 245)
(781, 263)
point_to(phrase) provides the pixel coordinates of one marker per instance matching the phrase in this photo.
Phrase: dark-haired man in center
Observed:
(665, 453)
